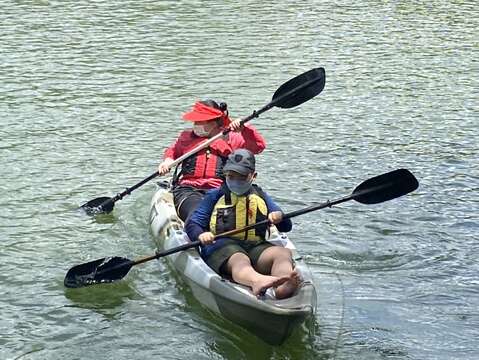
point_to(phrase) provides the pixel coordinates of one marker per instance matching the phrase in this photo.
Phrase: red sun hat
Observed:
(201, 112)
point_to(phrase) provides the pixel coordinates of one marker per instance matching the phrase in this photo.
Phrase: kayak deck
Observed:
(270, 319)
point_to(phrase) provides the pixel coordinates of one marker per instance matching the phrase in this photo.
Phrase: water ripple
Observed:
(92, 93)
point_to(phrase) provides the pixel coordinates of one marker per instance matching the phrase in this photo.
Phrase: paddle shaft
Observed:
(206, 143)
(167, 252)
(245, 228)
(372, 191)
(127, 266)
(290, 215)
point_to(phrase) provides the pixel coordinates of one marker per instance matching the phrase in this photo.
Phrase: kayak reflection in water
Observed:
(203, 170)
(247, 257)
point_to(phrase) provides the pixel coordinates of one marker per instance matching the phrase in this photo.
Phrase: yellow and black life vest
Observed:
(233, 212)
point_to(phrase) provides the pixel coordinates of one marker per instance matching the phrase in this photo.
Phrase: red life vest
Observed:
(206, 163)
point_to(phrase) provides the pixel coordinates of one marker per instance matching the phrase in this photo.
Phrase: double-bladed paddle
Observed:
(372, 191)
(292, 93)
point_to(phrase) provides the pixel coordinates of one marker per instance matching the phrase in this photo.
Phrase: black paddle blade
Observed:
(104, 270)
(99, 205)
(385, 187)
(301, 88)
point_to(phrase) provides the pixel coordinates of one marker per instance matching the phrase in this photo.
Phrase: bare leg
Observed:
(277, 261)
(239, 266)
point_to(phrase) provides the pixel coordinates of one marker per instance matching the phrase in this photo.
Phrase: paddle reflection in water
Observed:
(105, 300)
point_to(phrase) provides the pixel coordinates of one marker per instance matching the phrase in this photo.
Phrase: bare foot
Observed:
(287, 288)
(265, 282)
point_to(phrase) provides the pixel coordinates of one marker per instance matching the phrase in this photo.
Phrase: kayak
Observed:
(270, 319)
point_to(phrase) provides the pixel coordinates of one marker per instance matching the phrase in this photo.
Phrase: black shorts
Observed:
(186, 200)
(218, 258)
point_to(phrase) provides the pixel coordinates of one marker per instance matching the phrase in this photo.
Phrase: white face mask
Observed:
(201, 130)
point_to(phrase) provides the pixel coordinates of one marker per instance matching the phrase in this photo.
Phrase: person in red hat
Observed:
(204, 170)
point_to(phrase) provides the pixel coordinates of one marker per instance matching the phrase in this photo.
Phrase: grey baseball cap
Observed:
(242, 161)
